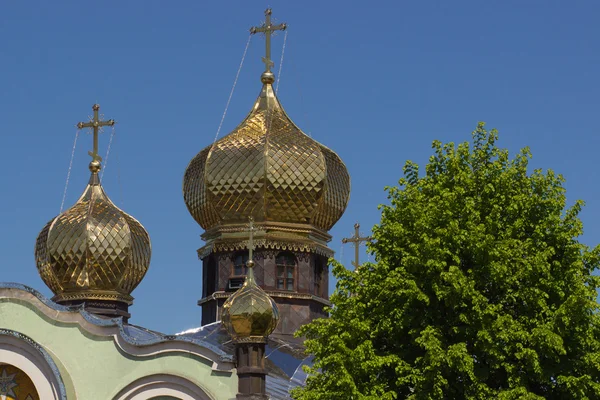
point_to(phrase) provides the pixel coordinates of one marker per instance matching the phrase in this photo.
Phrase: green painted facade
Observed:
(96, 367)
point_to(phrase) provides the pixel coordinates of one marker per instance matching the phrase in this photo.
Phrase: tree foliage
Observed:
(480, 290)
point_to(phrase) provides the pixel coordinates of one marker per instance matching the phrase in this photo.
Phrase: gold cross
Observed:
(95, 123)
(267, 28)
(356, 240)
(251, 239)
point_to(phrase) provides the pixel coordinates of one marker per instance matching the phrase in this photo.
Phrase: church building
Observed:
(265, 195)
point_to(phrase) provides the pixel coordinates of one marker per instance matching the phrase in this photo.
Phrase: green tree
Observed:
(480, 290)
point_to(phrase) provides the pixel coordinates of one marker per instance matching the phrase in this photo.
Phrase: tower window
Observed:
(286, 266)
(318, 275)
(239, 264)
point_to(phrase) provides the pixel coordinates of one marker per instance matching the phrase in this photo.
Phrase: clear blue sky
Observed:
(375, 81)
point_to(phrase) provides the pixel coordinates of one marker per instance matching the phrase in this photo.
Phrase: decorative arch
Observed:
(23, 353)
(162, 386)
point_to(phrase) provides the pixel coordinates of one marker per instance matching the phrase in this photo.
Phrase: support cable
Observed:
(62, 204)
(112, 134)
(281, 62)
(232, 89)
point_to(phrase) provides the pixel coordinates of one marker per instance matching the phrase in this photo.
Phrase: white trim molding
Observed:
(157, 385)
(20, 351)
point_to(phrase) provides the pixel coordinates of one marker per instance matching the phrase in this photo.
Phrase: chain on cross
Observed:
(268, 28)
(96, 124)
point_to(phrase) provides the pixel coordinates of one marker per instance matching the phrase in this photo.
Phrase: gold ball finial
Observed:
(95, 166)
(250, 313)
(267, 77)
(96, 107)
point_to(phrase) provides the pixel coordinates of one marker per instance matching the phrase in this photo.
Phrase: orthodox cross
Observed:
(96, 124)
(267, 28)
(356, 240)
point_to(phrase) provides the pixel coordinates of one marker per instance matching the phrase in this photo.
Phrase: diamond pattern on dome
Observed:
(337, 191)
(45, 268)
(194, 192)
(140, 255)
(235, 172)
(93, 246)
(250, 311)
(269, 169)
(296, 172)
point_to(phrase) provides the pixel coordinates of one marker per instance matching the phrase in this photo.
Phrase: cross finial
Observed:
(268, 28)
(251, 239)
(356, 240)
(96, 124)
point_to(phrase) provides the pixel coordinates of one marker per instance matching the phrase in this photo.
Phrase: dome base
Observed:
(268, 235)
(102, 308)
(104, 304)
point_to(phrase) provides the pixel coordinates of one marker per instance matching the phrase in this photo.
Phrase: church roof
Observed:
(284, 354)
(285, 357)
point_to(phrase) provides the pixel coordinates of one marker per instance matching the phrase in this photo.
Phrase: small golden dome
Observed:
(94, 250)
(269, 169)
(250, 312)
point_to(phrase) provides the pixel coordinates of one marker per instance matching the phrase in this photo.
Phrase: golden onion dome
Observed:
(266, 168)
(94, 250)
(250, 312)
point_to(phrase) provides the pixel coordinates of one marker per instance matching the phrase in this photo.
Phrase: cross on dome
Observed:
(96, 124)
(268, 28)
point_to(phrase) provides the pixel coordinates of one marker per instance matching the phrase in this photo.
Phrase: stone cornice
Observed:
(268, 227)
(273, 243)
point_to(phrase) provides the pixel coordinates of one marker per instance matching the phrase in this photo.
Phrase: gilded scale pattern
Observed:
(93, 250)
(267, 168)
(250, 312)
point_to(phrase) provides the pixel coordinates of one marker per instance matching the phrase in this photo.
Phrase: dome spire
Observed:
(268, 29)
(267, 168)
(94, 254)
(250, 313)
(96, 124)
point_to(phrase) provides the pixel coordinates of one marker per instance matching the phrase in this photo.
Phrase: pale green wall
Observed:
(97, 368)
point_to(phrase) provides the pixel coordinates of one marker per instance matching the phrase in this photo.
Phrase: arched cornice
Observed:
(162, 385)
(133, 340)
(30, 357)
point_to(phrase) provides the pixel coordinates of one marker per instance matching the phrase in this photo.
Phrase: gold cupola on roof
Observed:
(250, 313)
(94, 253)
(266, 168)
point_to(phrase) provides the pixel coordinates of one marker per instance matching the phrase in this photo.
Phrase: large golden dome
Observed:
(93, 251)
(268, 169)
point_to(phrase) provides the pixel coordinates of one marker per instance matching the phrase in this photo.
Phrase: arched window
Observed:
(20, 356)
(239, 264)
(286, 266)
(15, 380)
